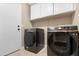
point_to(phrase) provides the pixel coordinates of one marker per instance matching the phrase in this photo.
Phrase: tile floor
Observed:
(23, 52)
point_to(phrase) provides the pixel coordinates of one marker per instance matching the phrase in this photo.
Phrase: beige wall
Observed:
(25, 19)
(53, 21)
(76, 16)
(50, 21)
(26, 16)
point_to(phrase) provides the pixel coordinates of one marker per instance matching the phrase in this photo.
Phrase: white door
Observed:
(10, 37)
(63, 7)
(46, 9)
(35, 11)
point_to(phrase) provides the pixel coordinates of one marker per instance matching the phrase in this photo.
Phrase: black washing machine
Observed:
(62, 42)
(34, 39)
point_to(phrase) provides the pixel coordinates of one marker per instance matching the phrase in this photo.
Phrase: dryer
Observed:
(62, 41)
(34, 39)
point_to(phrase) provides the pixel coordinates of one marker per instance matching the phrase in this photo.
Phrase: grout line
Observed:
(11, 52)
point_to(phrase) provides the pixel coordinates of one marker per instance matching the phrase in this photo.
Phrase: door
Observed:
(35, 11)
(63, 7)
(10, 37)
(46, 9)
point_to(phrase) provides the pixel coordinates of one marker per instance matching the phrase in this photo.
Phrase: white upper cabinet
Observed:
(46, 9)
(41, 10)
(63, 7)
(35, 11)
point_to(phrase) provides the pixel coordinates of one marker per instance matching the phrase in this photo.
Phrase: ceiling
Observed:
(31, 4)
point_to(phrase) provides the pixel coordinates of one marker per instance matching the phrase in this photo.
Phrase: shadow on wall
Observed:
(63, 20)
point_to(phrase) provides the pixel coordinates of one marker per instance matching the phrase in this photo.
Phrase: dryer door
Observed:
(29, 39)
(73, 43)
(61, 44)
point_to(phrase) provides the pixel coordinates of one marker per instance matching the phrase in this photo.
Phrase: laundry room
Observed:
(39, 29)
(57, 18)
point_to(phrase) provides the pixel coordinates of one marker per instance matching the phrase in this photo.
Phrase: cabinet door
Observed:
(35, 11)
(62, 7)
(46, 9)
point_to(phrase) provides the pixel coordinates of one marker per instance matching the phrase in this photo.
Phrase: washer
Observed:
(62, 41)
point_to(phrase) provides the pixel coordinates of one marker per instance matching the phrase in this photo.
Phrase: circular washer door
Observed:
(29, 39)
(61, 48)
